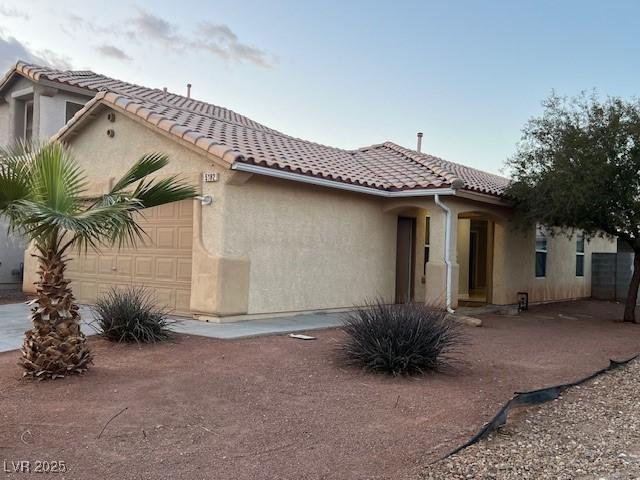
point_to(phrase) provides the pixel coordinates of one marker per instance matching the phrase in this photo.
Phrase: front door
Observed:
(405, 252)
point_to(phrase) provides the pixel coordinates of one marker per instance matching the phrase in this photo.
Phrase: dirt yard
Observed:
(279, 408)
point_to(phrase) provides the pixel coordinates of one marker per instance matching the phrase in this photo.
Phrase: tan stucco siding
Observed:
(106, 158)
(514, 266)
(309, 247)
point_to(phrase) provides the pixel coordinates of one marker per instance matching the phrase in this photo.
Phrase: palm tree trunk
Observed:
(55, 346)
(632, 294)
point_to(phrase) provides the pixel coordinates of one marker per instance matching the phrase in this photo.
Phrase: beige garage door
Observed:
(162, 264)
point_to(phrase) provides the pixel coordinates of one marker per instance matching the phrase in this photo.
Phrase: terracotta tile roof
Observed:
(236, 138)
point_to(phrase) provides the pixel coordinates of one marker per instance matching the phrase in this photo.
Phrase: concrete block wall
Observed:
(603, 276)
(624, 271)
(611, 275)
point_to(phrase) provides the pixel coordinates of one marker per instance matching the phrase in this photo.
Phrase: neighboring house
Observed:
(31, 110)
(287, 225)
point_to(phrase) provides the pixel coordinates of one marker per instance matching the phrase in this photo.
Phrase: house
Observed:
(31, 110)
(286, 225)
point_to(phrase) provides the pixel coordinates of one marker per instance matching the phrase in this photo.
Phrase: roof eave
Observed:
(217, 153)
(323, 182)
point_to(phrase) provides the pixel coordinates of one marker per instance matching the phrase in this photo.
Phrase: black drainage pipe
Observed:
(533, 397)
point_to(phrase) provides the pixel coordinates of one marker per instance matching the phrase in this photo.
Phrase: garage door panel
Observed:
(183, 300)
(166, 212)
(162, 264)
(185, 238)
(165, 268)
(84, 291)
(124, 265)
(88, 264)
(166, 237)
(184, 270)
(185, 211)
(165, 296)
(74, 265)
(144, 267)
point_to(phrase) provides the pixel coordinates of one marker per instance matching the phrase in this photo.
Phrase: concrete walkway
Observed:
(14, 320)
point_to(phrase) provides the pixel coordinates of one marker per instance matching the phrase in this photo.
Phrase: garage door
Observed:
(162, 263)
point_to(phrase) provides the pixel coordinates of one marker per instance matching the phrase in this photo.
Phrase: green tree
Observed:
(577, 167)
(43, 195)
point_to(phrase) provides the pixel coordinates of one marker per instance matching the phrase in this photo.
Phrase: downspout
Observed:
(447, 251)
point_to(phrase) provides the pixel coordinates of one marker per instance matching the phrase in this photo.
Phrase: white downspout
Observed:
(447, 251)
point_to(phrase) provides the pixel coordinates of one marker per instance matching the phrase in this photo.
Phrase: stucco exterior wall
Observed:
(53, 111)
(514, 266)
(11, 247)
(309, 247)
(5, 137)
(105, 158)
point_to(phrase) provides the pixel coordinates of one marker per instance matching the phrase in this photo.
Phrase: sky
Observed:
(468, 74)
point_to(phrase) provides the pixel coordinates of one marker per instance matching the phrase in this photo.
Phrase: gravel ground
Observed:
(591, 432)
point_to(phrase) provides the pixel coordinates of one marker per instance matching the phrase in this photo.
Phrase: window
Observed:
(426, 244)
(71, 109)
(580, 255)
(28, 120)
(541, 252)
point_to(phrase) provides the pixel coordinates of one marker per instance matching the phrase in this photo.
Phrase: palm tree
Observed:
(43, 195)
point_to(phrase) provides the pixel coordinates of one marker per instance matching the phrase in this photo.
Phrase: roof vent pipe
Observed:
(188, 90)
(419, 149)
(164, 93)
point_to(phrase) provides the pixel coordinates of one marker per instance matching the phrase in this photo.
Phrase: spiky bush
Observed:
(130, 315)
(400, 339)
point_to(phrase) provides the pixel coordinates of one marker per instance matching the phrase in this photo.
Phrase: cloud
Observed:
(113, 52)
(12, 50)
(157, 28)
(147, 28)
(218, 32)
(220, 40)
(208, 37)
(13, 13)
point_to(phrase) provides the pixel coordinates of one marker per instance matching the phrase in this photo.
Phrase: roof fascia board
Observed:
(296, 177)
(67, 88)
(8, 77)
(483, 197)
(24, 92)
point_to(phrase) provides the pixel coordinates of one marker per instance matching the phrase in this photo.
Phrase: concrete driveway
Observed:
(14, 320)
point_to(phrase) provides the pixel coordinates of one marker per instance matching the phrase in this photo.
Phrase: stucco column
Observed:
(464, 229)
(419, 277)
(499, 274)
(436, 277)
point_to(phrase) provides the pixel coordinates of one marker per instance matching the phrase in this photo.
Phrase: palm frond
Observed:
(56, 180)
(148, 164)
(14, 181)
(42, 194)
(160, 192)
(15, 165)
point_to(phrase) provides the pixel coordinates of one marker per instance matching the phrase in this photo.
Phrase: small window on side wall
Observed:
(580, 255)
(426, 245)
(541, 252)
(28, 121)
(71, 108)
